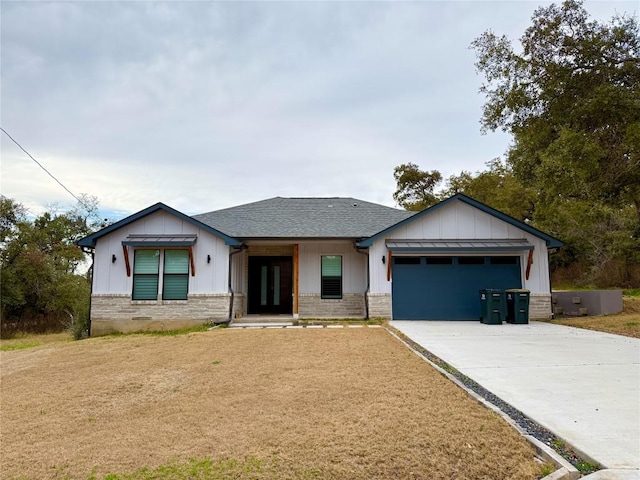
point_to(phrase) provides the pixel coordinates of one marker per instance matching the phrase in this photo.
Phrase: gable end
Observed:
(549, 240)
(90, 240)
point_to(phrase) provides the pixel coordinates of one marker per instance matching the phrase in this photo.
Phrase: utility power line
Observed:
(42, 167)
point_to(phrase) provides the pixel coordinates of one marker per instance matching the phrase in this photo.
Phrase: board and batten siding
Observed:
(461, 221)
(354, 266)
(111, 278)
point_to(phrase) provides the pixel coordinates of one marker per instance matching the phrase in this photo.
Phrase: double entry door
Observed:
(270, 285)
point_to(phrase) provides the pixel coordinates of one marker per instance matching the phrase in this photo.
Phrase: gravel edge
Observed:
(571, 463)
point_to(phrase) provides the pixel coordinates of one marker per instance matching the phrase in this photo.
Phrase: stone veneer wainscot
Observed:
(118, 313)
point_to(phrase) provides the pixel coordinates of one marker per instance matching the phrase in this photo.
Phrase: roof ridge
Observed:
(236, 208)
(345, 217)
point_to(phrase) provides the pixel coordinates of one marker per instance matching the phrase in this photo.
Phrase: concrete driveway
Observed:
(583, 386)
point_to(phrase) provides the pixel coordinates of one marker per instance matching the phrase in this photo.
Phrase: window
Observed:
(503, 260)
(145, 274)
(175, 282)
(331, 285)
(439, 260)
(470, 260)
(406, 260)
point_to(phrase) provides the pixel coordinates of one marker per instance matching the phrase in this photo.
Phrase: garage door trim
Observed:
(424, 290)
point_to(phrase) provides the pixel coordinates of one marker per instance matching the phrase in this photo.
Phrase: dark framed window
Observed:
(175, 281)
(470, 260)
(331, 273)
(406, 260)
(439, 260)
(503, 260)
(146, 265)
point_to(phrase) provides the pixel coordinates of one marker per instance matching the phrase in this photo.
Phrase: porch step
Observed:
(266, 320)
(291, 325)
(235, 324)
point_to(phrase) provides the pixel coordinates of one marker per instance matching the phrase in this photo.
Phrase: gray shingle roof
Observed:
(304, 218)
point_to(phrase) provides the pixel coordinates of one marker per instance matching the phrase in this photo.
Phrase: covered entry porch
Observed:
(303, 279)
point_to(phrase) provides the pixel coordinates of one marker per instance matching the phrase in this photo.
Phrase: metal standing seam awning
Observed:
(458, 246)
(141, 240)
(135, 240)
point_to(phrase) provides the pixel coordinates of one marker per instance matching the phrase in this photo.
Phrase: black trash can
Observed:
(492, 306)
(517, 305)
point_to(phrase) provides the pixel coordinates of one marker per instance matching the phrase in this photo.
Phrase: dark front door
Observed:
(270, 285)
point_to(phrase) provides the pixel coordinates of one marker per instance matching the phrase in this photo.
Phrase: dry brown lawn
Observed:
(626, 323)
(299, 403)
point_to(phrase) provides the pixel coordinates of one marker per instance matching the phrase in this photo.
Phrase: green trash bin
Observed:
(517, 305)
(492, 306)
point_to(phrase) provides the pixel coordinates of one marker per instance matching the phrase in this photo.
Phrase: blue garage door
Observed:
(446, 288)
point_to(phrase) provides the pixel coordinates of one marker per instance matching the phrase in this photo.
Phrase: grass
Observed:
(246, 404)
(21, 341)
(30, 340)
(18, 346)
(162, 333)
(207, 469)
(626, 323)
(586, 468)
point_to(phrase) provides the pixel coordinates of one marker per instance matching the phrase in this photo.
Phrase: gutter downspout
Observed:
(366, 292)
(92, 253)
(228, 320)
(549, 253)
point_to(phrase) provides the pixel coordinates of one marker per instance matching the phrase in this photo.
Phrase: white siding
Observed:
(111, 278)
(238, 280)
(458, 220)
(354, 266)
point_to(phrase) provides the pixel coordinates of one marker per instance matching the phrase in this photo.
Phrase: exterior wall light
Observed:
(384, 260)
(208, 258)
(113, 258)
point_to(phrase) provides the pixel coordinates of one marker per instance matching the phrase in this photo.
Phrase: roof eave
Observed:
(91, 240)
(551, 242)
(294, 238)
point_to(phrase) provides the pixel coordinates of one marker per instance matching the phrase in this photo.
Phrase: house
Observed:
(309, 258)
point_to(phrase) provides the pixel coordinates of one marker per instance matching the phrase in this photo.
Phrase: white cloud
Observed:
(205, 105)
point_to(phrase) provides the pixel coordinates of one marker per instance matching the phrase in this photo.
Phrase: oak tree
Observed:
(415, 187)
(570, 96)
(41, 266)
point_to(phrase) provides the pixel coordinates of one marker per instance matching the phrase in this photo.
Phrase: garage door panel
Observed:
(431, 291)
(409, 286)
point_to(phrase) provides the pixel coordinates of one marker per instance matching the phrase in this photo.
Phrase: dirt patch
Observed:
(631, 305)
(328, 403)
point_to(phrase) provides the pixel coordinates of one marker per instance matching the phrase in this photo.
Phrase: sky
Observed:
(206, 105)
